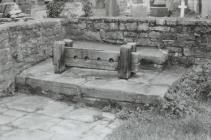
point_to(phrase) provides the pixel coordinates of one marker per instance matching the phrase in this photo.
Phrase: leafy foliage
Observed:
(55, 8)
(87, 7)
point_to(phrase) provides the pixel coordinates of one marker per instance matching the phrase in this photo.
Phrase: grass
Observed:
(150, 126)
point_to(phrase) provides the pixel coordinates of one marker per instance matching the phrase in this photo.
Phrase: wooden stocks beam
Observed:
(125, 63)
(59, 57)
(59, 54)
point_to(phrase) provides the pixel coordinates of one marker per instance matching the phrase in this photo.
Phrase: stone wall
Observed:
(24, 44)
(188, 41)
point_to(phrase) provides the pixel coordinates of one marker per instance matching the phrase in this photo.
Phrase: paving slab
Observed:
(2, 109)
(99, 132)
(86, 115)
(68, 128)
(35, 121)
(55, 109)
(26, 103)
(88, 131)
(14, 113)
(147, 86)
(25, 134)
(49, 122)
(5, 119)
(5, 128)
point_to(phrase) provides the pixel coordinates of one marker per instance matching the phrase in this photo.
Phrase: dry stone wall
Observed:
(24, 44)
(188, 40)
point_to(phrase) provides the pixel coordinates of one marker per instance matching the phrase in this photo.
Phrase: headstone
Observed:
(139, 10)
(206, 8)
(99, 7)
(99, 12)
(182, 8)
(112, 8)
(11, 9)
(194, 5)
(161, 3)
(100, 4)
(38, 11)
(158, 8)
(159, 11)
(124, 11)
(72, 9)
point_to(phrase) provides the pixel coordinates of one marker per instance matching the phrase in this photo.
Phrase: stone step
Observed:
(146, 86)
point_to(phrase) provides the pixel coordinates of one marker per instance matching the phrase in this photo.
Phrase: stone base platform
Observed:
(147, 86)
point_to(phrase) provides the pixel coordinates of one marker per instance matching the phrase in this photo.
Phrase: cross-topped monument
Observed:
(182, 8)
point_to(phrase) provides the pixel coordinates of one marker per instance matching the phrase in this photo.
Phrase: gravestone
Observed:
(38, 9)
(99, 7)
(182, 8)
(72, 10)
(159, 11)
(11, 10)
(100, 4)
(158, 8)
(112, 8)
(139, 10)
(124, 9)
(193, 5)
(206, 8)
(159, 3)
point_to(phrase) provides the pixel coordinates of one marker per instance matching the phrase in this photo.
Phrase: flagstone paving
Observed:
(28, 117)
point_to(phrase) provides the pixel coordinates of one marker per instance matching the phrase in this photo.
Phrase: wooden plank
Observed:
(125, 65)
(59, 57)
(91, 64)
(92, 54)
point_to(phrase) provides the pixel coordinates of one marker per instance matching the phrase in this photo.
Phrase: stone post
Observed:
(125, 63)
(59, 57)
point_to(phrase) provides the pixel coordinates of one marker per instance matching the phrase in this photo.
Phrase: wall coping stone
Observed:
(158, 20)
(29, 24)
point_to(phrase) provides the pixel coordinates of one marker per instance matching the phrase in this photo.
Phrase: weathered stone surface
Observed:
(95, 83)
(11, 10)
(24, 44)
(112, 37)
(48, 122)
(143, 27)
(31, 42)
(169, 33)
(72, 10)
(86, 115)
(156, 56)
